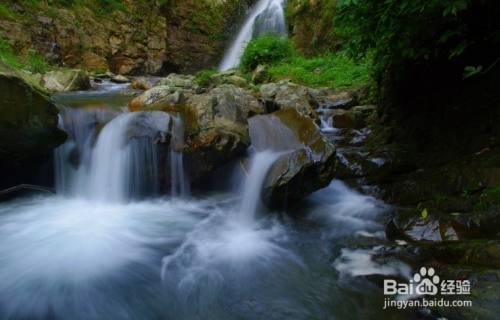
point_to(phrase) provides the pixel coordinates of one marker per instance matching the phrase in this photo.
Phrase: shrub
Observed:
(267, 49)
(203, 75)
(36, 63)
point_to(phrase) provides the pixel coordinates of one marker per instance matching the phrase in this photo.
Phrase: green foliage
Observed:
(36, 63)
(402, 30)
(202, 76)
(326, 70)
(267, 49)
(425, 213)
(7, 54)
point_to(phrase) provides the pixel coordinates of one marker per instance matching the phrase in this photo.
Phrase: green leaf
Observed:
(455, 213)
(461, 5)
(424, 213)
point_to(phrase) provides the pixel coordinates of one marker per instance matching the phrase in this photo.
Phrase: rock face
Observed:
(29, 121)
(198, 31)
(134, 37)
(308, 160)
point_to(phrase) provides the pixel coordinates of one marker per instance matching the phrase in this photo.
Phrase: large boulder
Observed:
(66, 80)
(215, 123)
(287, 95)
(308, 160)
(29, 119)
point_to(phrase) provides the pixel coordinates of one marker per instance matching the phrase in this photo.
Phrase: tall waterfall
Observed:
(267, 15)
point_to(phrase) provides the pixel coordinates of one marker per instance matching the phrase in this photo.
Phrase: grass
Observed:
(203, 76)
(34, 62)
(329, 70)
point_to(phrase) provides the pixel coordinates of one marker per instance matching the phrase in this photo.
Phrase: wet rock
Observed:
(216, 127)
(345, 104)
(66, 80)
(259, 75)
(485, 255)
(140, 85)
(29, 121)
(120, 79)
(308, 162)
(215, 123)
(346, 119)
(287, 95)
(435, 227)
(177, 80)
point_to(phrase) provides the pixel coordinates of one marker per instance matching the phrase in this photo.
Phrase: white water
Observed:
(180, 182)
(261, 163)
(202, 257)
(326, 120)
(272, 17)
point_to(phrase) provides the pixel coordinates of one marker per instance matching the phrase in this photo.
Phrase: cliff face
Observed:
(137, 37)
(310, 25)
(199, 30)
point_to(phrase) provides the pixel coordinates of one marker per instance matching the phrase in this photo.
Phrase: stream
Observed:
(98, 250)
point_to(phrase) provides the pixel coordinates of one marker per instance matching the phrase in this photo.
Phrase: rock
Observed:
(66, 80)
(347, 119)
(259, 75)
(287, 95)
(237, 81)
(233, 95)
(177, 80)
(435, 227)
(485, 255)
(161, 98)
(217, 130)
(140, 85)
(29, 121)
(228, 77)
(345, 104)
(308, 162)
(94, 62)
(120, 79)
(129, 92)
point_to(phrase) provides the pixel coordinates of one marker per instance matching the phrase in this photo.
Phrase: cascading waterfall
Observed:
(180, 182)
(114, 167)
(267, 15)
(260, 165)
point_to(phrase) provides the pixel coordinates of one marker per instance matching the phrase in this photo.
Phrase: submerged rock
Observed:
(308, 160)
(29, 119)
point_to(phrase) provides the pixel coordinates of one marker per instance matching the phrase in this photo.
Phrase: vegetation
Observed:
(267, 49)
(34, 62)
(284, 62)
(203, 76)
(397, 31)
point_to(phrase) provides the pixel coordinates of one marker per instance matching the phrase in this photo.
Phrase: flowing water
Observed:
(96, 252)
(266, 15)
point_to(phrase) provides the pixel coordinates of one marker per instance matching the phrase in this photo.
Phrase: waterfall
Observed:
(267, 15)
(180, 182)
(260, 165)
(121, 162)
